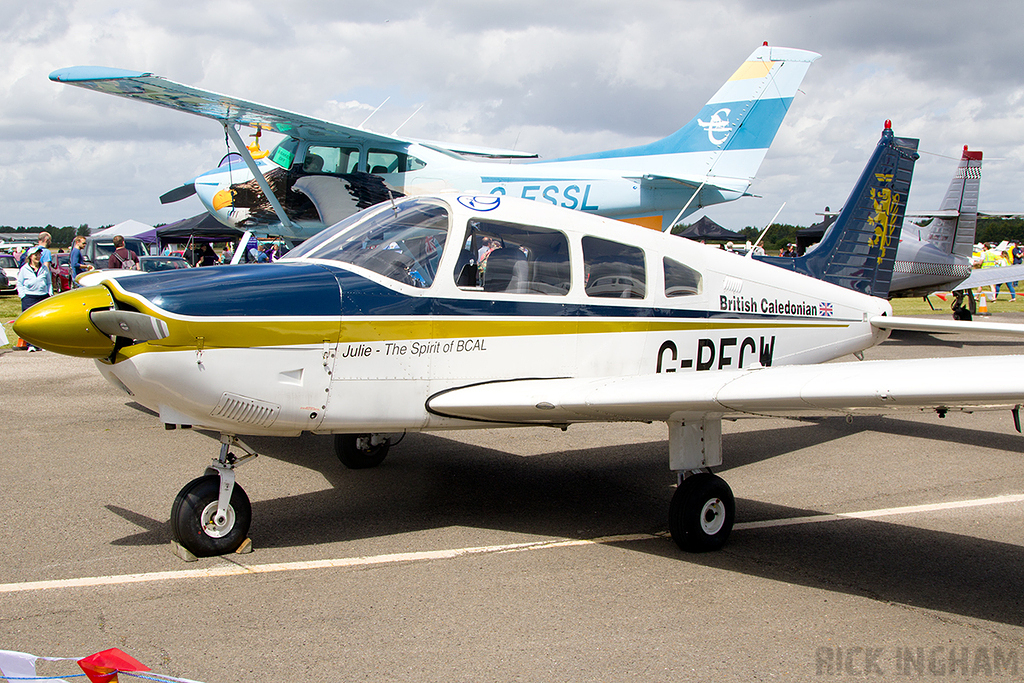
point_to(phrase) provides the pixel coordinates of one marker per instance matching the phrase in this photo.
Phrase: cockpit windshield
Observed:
(402, 242)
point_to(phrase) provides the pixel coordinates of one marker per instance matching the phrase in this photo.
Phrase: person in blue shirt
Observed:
(34, 282)
(44, 244)
(76, 262)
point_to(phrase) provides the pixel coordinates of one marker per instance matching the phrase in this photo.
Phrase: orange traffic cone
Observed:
(21, 345)
(983, 306)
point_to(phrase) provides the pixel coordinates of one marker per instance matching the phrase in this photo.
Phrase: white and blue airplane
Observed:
(323, 172)
(461, 311)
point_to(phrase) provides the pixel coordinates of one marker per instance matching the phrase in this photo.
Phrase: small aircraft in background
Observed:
(461, 311)
(936, 256)
(323, 172)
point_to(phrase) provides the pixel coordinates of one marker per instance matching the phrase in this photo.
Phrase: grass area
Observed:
(10, 307)
(919, 306)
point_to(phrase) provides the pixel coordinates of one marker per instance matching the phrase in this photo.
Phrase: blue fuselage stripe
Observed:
(293, 290)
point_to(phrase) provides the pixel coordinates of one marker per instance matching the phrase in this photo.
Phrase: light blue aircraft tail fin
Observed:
(858, 251)
(730, 135)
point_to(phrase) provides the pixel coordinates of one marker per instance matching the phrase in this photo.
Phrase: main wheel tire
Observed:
(192, 518)
(961, 313)
(353, 456)
(702, 513)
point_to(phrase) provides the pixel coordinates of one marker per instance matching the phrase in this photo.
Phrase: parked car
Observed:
(147, 264)
(9, 265)
(61, 272)
(98, 250)
(154, 264)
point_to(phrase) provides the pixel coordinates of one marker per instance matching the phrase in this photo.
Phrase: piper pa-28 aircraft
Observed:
(459, 311)
(323, 172)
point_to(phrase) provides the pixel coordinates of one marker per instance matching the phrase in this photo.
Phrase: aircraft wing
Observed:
(868, 387)
(983, 277)
(145, 87)
(917, 324)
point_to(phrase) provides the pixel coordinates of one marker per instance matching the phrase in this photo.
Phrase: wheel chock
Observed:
(185, 554)
(182, 552)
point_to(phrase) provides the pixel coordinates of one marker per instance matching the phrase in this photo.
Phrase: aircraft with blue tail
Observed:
(323, 172)
(461, 311)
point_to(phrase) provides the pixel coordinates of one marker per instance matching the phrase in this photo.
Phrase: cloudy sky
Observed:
(557, 78)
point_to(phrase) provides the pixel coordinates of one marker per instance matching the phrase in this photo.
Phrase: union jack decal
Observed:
(825, 309)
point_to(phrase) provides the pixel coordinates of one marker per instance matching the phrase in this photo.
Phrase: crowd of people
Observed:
(996, 256)
(37, 269)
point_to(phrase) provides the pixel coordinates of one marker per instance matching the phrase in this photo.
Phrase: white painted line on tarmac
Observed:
(238, 569)
(234, 569)
(884, 512)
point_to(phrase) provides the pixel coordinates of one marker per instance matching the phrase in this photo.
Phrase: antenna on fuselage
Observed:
(374, 111)
(395, 131)
(750, 254)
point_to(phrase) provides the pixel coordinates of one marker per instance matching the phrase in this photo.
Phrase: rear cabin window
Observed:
(380, 161)
(330, 159)
(519, 259)
(680, 279)
(613, 270)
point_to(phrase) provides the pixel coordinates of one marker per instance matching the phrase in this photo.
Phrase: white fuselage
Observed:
(373, 368)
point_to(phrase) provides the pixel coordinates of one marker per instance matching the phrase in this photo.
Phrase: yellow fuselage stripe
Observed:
(191, 334)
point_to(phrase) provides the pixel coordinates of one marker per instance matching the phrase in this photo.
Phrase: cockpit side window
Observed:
(680, 279)
(403, 242)
(328, 159)
(508, 257)
(613, 270)
(284, 154)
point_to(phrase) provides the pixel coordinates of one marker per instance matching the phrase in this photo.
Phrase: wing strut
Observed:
(230, 131)
(683, 210)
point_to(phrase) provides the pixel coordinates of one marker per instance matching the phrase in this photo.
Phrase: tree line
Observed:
(62, 236)
(989, 230)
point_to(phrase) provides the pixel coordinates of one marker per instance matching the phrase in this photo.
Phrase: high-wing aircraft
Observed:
(323, 172)
(456, 311)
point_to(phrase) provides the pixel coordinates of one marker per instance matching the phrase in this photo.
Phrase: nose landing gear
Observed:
(211, 514)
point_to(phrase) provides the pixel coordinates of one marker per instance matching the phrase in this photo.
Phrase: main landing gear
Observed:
(961, 311)
(703, 509)
(702, 512)
(211, 514)
(362, 451)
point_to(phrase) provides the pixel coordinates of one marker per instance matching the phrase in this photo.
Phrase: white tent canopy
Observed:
(129, 228)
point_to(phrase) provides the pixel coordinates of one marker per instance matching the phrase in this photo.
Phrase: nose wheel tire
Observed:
(702, 513)
(357, 451)
(193, 518)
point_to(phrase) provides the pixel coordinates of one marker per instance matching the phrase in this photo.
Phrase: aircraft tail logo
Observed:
(884, 219)
(858, 251)
(717, 125)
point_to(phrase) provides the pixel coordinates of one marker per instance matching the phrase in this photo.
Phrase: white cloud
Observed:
(556, 78)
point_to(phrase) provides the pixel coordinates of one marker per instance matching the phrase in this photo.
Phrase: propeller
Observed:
(178, 193)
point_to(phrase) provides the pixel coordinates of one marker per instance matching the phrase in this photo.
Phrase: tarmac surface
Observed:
(518, 554)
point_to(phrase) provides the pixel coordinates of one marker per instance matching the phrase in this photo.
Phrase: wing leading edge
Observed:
(146, 87)
(869, 387)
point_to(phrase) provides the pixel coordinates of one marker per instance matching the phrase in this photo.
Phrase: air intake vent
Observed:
(246, 410)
